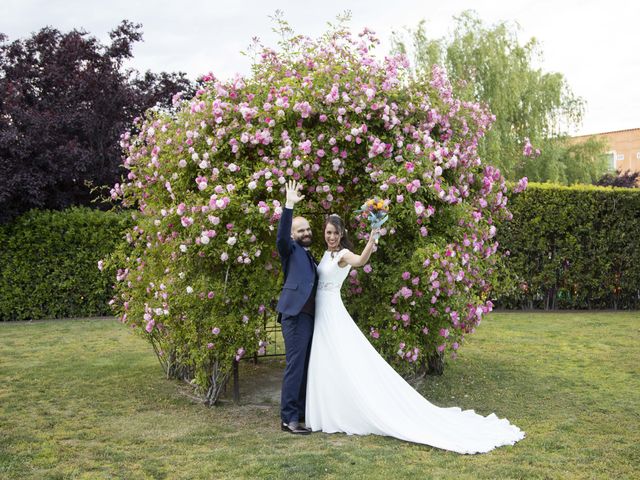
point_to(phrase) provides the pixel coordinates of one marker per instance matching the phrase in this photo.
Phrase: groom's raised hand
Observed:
(293, 195)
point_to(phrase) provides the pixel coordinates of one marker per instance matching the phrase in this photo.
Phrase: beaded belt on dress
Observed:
(329, 286)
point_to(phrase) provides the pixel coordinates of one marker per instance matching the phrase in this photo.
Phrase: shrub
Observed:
(572, 247)
(48, 263)
(208, 184)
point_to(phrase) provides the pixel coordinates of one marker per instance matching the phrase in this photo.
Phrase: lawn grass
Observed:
(87, 399)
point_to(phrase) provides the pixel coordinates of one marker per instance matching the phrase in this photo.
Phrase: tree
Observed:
(532, 109)
(200, 270)
(626, 179)
(66, 99)
(568, 162)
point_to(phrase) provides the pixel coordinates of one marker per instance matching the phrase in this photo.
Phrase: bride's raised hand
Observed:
(293, 194)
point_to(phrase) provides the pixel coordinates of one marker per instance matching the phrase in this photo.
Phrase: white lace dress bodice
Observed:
(352, 389)
(330, 275)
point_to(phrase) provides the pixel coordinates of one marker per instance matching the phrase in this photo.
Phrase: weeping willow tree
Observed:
(533, 109)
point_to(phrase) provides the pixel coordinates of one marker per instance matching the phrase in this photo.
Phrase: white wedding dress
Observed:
(352, 389)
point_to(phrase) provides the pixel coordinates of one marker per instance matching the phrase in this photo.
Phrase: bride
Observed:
(352, 389)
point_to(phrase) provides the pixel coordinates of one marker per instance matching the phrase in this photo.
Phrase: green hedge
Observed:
(571, 247)
(48, 263)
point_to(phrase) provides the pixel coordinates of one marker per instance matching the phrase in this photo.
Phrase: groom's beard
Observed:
(305, 241)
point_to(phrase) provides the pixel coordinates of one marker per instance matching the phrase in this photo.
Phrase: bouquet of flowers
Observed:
(376, 211)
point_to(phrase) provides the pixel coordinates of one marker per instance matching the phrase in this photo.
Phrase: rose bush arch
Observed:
(200, 268)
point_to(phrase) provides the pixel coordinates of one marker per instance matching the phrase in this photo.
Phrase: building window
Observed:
(620, 157)
(611, 160)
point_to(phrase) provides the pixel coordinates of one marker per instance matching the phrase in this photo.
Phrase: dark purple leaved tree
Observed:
(65, 98)
(626, 179)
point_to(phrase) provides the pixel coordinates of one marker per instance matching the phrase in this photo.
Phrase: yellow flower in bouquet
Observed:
(376, 211)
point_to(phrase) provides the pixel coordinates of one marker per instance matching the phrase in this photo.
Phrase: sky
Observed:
(594, 44)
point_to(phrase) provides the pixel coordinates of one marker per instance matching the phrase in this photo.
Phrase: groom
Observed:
(296, 309)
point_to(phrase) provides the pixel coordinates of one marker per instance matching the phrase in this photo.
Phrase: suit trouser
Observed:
(297, 331)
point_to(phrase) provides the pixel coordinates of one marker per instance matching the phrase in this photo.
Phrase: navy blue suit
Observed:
(297, 325)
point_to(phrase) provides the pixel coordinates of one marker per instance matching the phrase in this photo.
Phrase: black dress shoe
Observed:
(304, 426)
(295, 428)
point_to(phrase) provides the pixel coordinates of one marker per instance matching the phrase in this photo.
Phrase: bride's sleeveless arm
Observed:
(355, 260)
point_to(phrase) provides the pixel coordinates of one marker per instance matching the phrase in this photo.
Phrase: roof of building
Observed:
(606, 133)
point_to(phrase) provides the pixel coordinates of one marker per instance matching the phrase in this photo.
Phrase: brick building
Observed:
(623, 148)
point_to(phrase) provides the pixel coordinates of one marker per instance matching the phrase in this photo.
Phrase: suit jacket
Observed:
(298, 267)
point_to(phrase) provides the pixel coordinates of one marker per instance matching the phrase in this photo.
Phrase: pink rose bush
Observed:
(200, 272)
